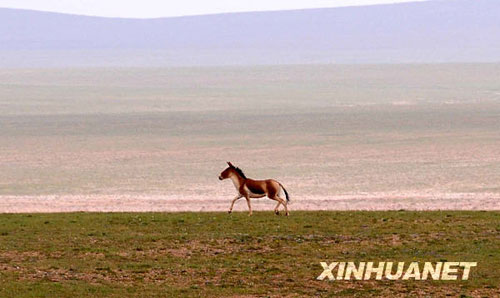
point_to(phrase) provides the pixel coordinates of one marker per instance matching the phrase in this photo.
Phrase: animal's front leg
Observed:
(249, 206)
(234, 200)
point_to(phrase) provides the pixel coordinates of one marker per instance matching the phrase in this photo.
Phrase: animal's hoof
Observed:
(287, 214)
(229, 211)
(277, 212)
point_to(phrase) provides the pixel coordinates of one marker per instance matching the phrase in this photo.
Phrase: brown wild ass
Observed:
(249, 188)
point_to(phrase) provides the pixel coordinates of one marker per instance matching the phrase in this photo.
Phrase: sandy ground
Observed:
(386, 137)
(170, 203)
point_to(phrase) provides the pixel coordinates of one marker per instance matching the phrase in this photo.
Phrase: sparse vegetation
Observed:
(216, 254)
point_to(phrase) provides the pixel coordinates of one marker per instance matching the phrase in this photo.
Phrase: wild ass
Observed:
(249, 188)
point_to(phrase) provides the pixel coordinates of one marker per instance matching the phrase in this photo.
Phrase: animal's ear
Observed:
(230, 164)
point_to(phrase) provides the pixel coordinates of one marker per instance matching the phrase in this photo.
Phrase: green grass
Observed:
(216, 254)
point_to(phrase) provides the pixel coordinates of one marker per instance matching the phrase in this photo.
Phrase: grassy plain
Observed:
(320, 129)
(217, 254)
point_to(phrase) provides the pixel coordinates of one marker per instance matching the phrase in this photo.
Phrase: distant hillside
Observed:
(434, 31)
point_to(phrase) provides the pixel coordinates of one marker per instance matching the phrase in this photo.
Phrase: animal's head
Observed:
(227, 172)
(231, 170)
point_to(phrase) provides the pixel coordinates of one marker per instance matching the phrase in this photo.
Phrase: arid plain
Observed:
(369, 137)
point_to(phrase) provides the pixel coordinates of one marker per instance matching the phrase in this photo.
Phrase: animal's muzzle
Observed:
(220, 178)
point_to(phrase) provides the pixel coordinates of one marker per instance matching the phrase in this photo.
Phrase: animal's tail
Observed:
(286, 193)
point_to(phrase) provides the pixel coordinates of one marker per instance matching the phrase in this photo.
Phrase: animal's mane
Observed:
(240, 172)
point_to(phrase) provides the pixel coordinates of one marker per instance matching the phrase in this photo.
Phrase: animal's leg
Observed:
(273, 195)
(249, 206)
(283, 201)
(232, 203)
(276, 209)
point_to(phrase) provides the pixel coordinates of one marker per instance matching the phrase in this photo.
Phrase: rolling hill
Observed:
(419, 32)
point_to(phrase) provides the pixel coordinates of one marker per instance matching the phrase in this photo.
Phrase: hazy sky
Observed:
(166, 8)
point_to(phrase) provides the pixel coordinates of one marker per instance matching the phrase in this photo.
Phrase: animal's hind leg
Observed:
(276, 209)
(283, 201)
(273, 195)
